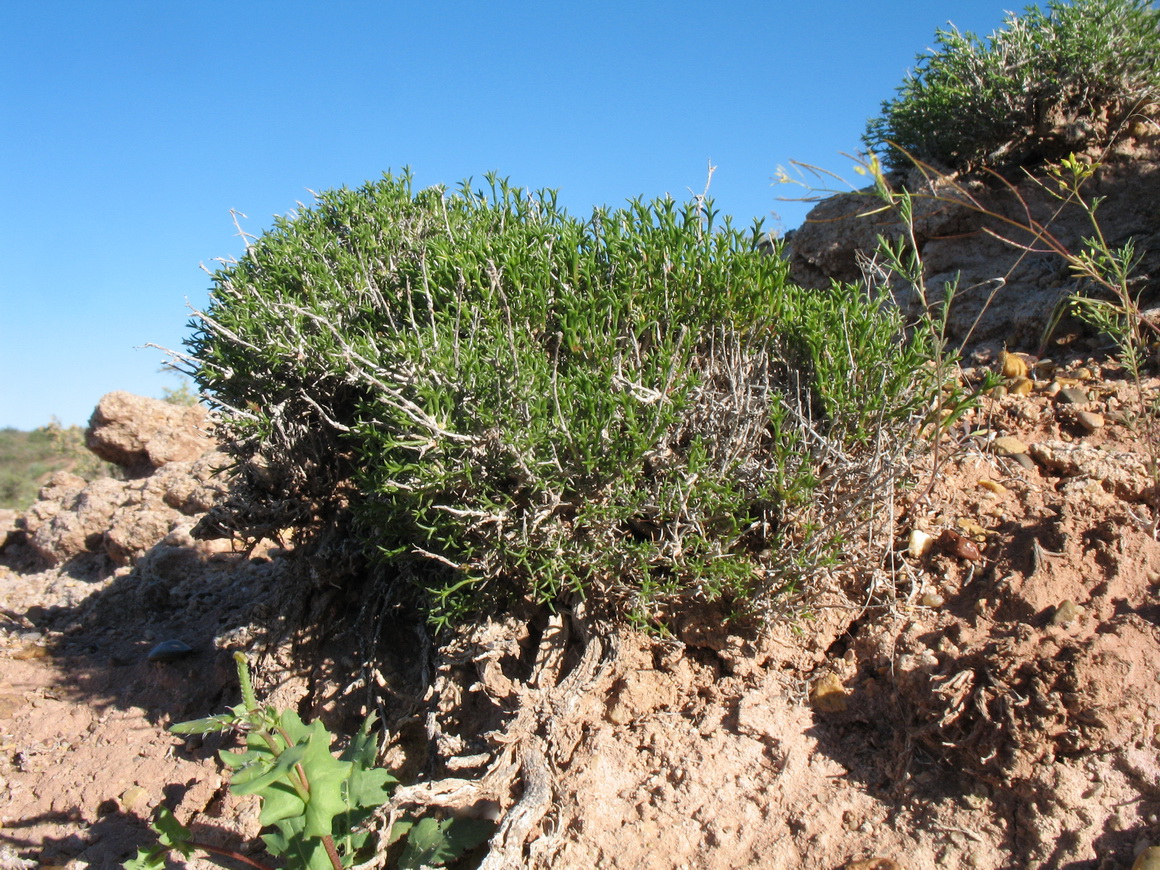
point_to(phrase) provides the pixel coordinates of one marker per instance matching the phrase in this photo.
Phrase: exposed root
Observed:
(529, 749)
(507, 846)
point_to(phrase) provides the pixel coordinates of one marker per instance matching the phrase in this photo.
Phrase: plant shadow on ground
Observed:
(994, 705)
(899, 756)
(117, 833)
(94, 711)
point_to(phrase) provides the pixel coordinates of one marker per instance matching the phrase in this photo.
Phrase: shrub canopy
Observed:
(1044, 85)
(503, 401)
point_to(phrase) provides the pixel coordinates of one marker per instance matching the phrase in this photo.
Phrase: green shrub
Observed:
(1042, 86)
(509, 402)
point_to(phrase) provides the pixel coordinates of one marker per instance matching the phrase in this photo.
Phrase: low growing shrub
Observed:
(504, 401)
(1045, 84)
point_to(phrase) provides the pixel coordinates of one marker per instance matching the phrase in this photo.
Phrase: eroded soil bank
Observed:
(990, 702)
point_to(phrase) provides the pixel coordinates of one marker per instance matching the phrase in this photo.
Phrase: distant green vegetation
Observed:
(183, 394)
(28, 459)
(1046, 84)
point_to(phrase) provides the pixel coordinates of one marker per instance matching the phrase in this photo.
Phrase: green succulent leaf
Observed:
(328, 776)
(171, 835)
(171, 832)
(259, 770)
(148, 859)
(287, 841)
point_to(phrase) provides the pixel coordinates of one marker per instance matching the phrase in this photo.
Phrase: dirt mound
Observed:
(998, 709)
(988, 699)
(1006, 293)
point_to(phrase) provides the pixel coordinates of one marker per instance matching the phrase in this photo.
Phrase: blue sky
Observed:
(131, 129)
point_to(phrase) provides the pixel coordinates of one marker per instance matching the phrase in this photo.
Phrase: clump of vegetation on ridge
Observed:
(506, 402)
(1046, 84)
(28, 459)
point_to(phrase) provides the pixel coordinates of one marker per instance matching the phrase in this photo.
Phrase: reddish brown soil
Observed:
(994, 713)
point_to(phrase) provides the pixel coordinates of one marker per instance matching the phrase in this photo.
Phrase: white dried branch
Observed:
(223, 331)
(419, 551)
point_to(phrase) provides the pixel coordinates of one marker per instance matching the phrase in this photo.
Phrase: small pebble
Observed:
(955, 544)
(920, 544)
(977, 797)
(1024, 460)
(1021, 386)
(1090, 420)
(828, 695)
(1073, 396)
(932, 600)
(1012, 365)
(29, 652)
(1008, 445)
(1066, 613)
(132, 797)
(1149, 859)
(971, 528)
(169, 651)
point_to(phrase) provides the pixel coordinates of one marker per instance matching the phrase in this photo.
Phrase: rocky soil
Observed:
(987, 697)
(994, 705)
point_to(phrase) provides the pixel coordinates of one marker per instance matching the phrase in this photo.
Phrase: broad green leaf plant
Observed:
(315, 805)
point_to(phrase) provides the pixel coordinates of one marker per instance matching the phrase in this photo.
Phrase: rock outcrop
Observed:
(170, 467)
(1009, 283)
(140, 434)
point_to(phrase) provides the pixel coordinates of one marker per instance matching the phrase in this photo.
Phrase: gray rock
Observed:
(170, 651)
(73, 522)
(1072, 396)
(1024, 460)
(1002, 294)
(133, 531)
(1122, 473)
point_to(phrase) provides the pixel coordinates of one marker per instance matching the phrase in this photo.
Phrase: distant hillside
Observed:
(28, 459)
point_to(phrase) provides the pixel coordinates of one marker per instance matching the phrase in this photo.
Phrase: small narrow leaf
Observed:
(220, 722)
